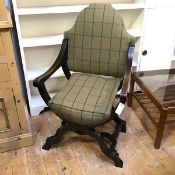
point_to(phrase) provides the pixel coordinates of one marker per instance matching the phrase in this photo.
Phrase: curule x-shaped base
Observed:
(103, 138)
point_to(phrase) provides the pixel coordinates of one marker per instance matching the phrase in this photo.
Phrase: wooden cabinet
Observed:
(15, 130)
(158, 39)
(4, 73)
(9, 123)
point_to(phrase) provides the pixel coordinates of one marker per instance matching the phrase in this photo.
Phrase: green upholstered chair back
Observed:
(98, 42)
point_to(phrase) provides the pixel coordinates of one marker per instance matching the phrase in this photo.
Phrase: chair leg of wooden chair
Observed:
(57, 137)
(82, 132)
(108, 151)
(121, 123)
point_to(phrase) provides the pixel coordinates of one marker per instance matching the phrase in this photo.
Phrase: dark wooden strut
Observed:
(101, 137)
(107, 149)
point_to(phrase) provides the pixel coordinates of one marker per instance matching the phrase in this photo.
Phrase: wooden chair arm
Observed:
(39, 81)
(44, 93)
(56, 65)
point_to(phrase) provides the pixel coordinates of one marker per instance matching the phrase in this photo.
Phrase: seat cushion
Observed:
(86, 99)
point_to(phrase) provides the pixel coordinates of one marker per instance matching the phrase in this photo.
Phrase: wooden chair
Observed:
(96, 48)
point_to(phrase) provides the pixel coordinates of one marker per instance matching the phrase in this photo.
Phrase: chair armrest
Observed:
(39, 81)
(56, 65)
(44, 93)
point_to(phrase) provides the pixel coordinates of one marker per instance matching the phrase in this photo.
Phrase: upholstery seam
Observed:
(77, 95)
(111, 40)
(67, 94)
(120, 47)
(92, 36)
(101, 38)
(98, 100)
(88, 96)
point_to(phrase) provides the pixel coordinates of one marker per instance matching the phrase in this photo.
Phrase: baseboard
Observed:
(16, 142)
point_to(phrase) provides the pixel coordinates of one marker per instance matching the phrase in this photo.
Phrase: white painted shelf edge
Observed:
(50, 10)
(72, 9)
(128, 6)
(42, 41)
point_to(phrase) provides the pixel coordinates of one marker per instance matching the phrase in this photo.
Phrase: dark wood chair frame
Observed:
(106, 141)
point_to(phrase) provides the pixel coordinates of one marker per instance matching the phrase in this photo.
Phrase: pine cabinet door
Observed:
(2, 51)
(158, 41)
(9, 124)
(3, 13)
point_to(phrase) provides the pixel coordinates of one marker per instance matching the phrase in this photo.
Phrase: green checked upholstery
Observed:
(86, 99)
(98, 42)
(97, 45)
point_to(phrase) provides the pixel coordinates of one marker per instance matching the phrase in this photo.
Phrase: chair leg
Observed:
(82, 132)
(57, 137)
(108, 151)
(121, 123)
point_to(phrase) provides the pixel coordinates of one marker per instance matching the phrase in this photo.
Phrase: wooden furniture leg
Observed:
(160, 129)
(57, 137)
(131, 90)
(107, 147)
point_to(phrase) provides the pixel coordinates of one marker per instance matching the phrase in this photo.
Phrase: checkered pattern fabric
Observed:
(98, 42)
(86, 99)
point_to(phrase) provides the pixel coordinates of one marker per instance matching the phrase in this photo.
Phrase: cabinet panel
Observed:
(15, 130)
(3, 14)
(1, 46)
(4, 73)
(4, 122)
(157, 46)
(2, 50)
(9, 124)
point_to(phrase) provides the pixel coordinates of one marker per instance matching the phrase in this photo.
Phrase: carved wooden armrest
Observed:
(61, 61)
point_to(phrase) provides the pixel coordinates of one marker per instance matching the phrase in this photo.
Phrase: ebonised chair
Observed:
(100, 51)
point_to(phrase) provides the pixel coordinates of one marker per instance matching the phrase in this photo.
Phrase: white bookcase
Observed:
(40, 26)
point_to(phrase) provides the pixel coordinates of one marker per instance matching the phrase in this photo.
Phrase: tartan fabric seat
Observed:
(86, 99)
